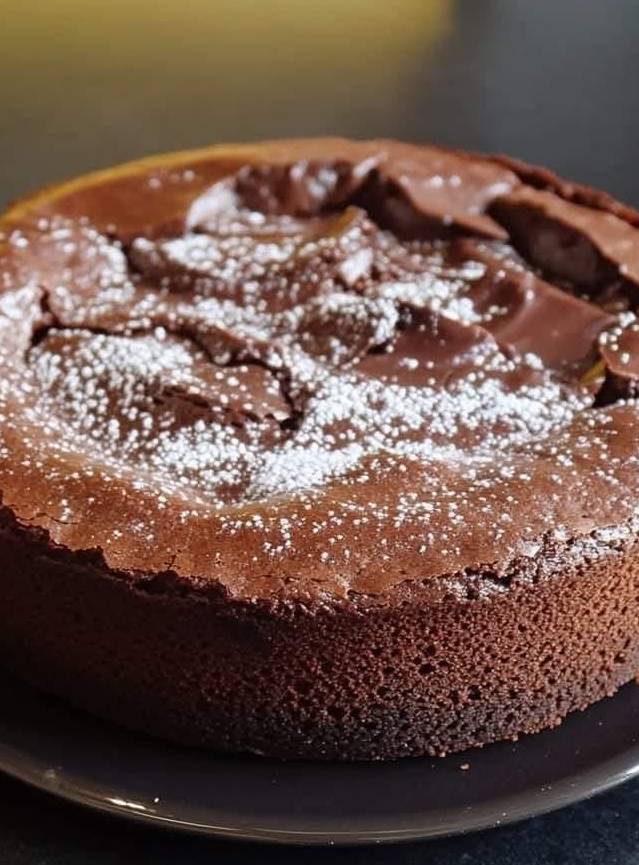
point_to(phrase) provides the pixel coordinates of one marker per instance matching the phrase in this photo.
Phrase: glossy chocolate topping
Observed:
(306, 368)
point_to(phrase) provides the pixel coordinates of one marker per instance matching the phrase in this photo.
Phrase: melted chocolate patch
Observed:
(531, 315)
(589, 247)
(429, 189)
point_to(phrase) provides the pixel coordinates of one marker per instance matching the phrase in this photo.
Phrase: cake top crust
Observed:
(318, 368)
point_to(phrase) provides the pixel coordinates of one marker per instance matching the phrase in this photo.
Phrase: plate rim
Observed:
(576, 787)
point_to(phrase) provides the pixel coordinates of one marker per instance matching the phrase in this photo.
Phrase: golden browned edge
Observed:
(52, 192)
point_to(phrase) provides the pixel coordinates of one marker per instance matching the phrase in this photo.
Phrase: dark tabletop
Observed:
(87, 84)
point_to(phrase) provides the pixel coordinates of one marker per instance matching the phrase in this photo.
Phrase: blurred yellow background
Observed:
(173, 74)
(251, 43)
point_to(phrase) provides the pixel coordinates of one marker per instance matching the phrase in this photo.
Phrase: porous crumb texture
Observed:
(321, 448)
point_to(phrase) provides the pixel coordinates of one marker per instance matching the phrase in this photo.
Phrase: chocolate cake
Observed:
(321, 449)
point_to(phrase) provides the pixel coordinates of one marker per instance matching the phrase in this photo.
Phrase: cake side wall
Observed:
(435, 672)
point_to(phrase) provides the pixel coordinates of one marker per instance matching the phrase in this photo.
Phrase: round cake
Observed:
(321, 448)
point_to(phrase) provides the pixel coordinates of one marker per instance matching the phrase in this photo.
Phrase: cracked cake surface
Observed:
(317, 373)
(319, 359)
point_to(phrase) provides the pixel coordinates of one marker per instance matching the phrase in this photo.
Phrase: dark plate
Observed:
(75, 756)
